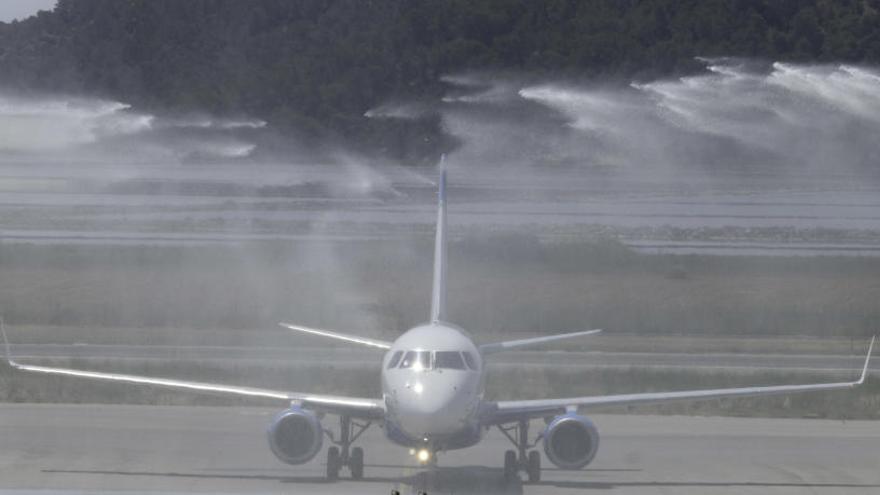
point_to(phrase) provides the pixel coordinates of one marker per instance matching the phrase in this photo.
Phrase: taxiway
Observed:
(84, 448)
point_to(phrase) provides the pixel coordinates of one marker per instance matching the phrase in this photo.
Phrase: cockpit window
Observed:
(428, 360)
(470, 360)
(416, 360)
(395, 359)
(448, 360)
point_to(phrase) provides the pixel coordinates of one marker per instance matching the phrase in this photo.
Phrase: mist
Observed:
(747, 159)
(191, 191)
(739, 118)
(78, 129)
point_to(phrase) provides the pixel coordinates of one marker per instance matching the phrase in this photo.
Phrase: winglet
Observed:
(6, 344)
(438, 294)
(867, 362)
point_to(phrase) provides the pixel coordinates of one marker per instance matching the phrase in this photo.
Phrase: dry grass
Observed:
(499, 286)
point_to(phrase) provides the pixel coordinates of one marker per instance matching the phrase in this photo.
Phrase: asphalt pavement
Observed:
(50, 449)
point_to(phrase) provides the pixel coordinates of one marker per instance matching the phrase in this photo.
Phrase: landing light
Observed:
(418, 388)
(424, 455)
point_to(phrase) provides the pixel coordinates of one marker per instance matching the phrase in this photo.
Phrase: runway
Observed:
(68, 448)
(737, 213)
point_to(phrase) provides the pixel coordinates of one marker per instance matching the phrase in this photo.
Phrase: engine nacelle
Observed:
(295, 435)
(571, 441)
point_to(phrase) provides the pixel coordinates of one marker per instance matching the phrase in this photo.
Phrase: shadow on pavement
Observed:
(472, 480)
(458, 480)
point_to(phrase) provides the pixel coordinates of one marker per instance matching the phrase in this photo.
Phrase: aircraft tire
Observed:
(356, 463)
(333, 463)
(534, 466)
(510, 467)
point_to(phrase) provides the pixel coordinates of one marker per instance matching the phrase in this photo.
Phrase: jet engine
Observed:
(571, 441)
(295, 435)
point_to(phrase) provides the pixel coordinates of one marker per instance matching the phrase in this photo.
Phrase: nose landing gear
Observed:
(341, 454)
(515, 461)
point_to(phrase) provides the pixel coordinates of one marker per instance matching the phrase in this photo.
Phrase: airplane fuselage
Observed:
(433, 380)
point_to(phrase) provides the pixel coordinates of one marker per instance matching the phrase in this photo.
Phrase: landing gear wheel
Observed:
(334, 462)
(510, 467)
(534, 467)
(356, 463)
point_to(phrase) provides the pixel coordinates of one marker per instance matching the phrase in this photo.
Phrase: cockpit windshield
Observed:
(471, 362)
(448, 360)
(395, 359)
(416, 360)
(434, 360)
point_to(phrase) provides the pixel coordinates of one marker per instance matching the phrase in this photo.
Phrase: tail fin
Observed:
(438, 296)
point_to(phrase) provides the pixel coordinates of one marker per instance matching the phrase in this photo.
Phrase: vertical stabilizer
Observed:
(438, 295)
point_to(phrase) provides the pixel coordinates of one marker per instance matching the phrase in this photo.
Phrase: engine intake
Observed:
(571, 441)
(295, 436)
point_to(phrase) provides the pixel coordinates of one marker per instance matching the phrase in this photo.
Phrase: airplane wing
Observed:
(511, 344)
(507, 411)
(350, 406)
(380, 344)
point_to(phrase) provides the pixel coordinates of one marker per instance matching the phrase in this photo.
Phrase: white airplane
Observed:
(433, 379)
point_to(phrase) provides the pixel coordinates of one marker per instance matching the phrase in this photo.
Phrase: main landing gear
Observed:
(517, 460)
(341, 454)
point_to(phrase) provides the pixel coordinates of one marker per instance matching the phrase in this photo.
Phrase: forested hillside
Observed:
(316, 66)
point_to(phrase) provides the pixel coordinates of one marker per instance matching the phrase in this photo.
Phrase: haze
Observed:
(11, 10)
(798, 140)
(176, 178)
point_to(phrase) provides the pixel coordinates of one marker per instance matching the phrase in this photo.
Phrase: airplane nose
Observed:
(432, 403)
(430, 407)
(428, 398)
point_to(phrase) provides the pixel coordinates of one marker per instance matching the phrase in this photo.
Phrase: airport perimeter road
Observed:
(64, 449)
(370, 358)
